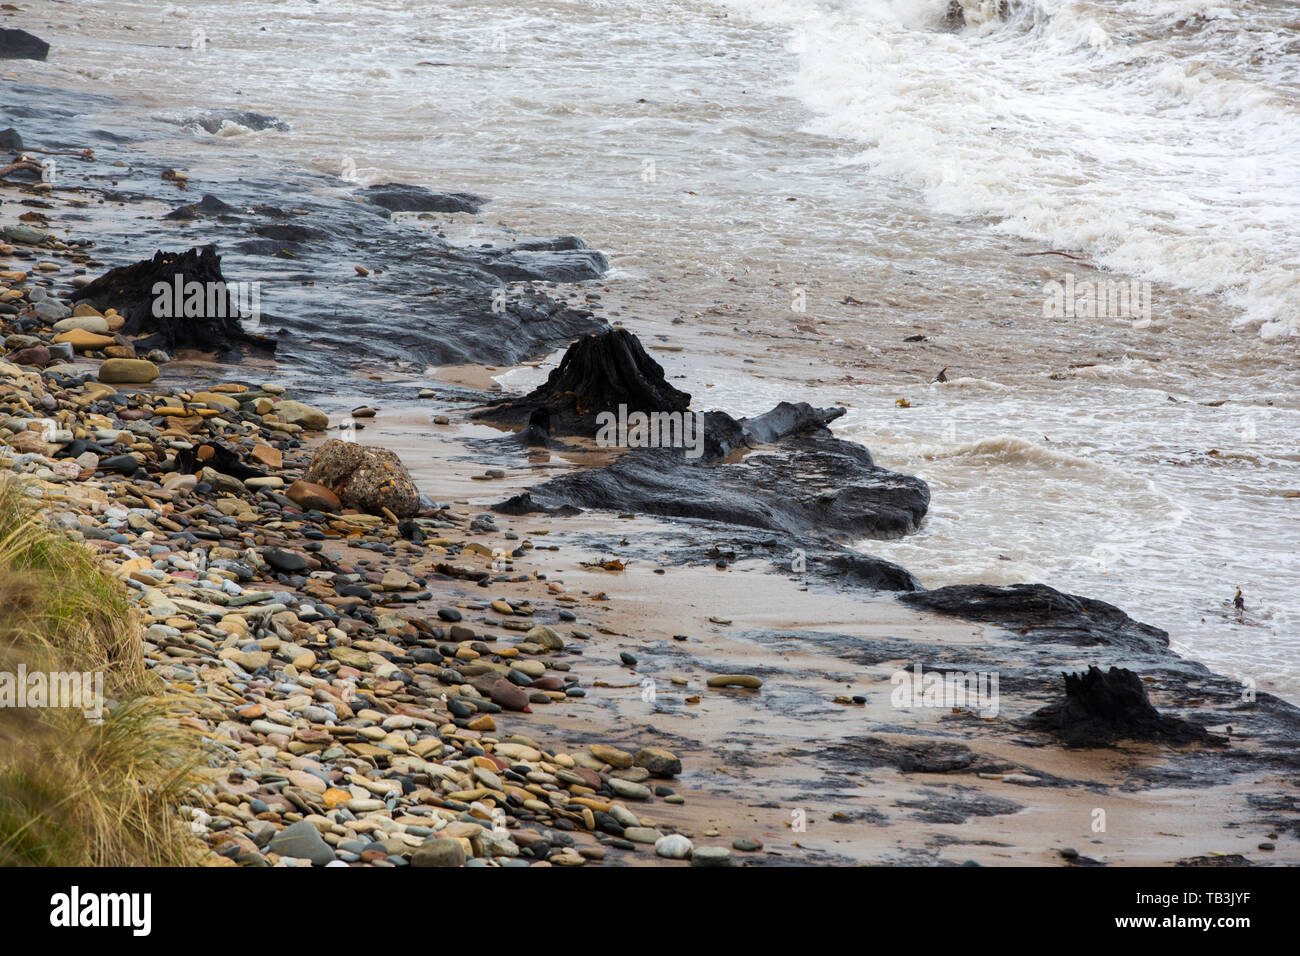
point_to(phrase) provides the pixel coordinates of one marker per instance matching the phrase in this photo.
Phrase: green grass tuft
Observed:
(72, 792)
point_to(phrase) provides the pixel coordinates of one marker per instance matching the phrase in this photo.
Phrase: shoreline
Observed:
(988, 812)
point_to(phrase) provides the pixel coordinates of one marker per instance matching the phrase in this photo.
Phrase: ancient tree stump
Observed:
(1101, 707)
(180, 299)
(597, 374)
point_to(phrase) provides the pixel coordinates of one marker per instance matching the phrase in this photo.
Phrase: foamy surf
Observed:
(1113, 131)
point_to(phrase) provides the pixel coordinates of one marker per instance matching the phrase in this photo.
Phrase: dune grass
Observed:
(74, 792)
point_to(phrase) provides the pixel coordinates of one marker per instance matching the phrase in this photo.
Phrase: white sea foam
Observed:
(1083, 127)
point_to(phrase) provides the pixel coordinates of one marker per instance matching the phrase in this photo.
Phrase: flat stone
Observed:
(710, 856)
(629, 790)
(267, 456)
(302, 841)
(735, 680)
(439, 851)
(86, 323)
(83, 341)
(611, 755)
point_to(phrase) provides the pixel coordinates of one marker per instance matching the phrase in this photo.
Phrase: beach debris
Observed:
(369, 478)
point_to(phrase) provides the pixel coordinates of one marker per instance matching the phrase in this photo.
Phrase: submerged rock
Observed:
(213, 121)
(401, 197)
(209, 205)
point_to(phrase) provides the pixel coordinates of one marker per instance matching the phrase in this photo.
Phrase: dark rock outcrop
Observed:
(781, 493)
(803, 481)
(21, 45)
(1044, 613)
(401, 197)
(213, 121)
(209, 205)
(565, 259)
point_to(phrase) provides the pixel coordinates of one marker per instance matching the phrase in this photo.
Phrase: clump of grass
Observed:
(73, 792)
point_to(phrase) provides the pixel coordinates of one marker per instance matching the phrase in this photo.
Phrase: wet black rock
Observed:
(124, 464)
(956, 804)
(812, 486)
(9, 139)
(401, 197)
(1044, 613)
(1102, 707)
(865, 571)
(289, 232)
(214, 121)
(209, 205)
(803, 480)
(286, 562)
(21, 45)
(1231, 860)
(565, 259)
(931, 756)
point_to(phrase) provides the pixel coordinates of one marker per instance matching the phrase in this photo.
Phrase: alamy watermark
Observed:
(180, 299)
(77, 690)
(75, 909)
(972, 690)
(651, 430)
(1104, 299)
